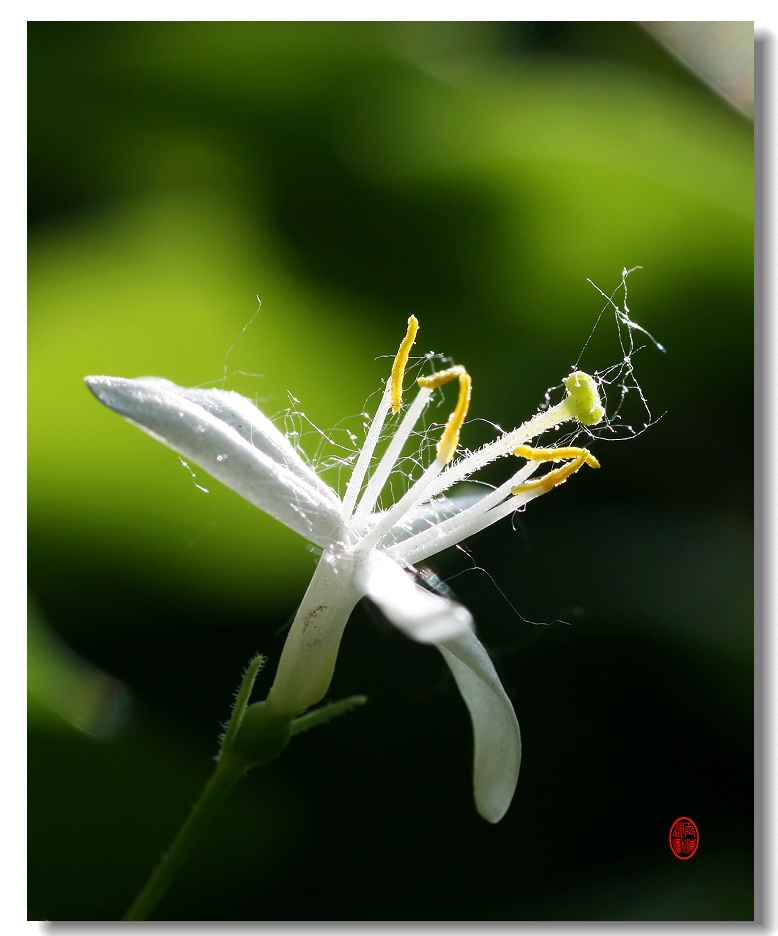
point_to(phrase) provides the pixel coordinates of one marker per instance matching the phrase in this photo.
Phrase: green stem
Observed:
(230, 767)
(228, 771)
(254, 736)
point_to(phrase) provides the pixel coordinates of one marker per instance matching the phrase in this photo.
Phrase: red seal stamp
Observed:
(684, 838)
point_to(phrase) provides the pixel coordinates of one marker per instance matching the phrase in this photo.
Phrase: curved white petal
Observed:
(165, 412)
(496, 732)
(240, 413)
(420, 614)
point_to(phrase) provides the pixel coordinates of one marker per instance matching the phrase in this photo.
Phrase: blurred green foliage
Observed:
(474, 174)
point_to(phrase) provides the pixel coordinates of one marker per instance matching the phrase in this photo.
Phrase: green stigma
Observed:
(584, 398)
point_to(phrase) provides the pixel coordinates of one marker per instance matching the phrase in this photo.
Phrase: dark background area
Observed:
(473, 174)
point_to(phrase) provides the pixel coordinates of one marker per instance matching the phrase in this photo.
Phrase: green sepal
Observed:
(262, 735)
(326, 713)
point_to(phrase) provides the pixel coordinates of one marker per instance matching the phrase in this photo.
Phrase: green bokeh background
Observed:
(475, 175)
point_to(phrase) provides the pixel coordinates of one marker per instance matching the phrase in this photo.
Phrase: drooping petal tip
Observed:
(496, 735)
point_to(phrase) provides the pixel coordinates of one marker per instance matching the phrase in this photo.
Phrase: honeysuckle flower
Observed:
(367, 552)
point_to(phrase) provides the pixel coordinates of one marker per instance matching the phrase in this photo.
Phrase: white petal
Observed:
(163, 411)
(240, 413)
(420, 614)
(495, 727)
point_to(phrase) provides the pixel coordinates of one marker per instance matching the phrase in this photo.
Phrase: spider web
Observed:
(619, 380)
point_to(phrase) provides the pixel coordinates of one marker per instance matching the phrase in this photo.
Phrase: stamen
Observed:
(555, 454)
(414, 496)
(400, 362)
(450, 438)
(442, 377)
(461, 525)
(578, 458)
(446, 448)
(392, 396)
(582, 403)
(388, 460)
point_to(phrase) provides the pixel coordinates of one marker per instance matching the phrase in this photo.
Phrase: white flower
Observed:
(370, 553)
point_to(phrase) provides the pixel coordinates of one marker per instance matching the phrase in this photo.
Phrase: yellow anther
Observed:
(442, 377)
(556, 454)
(578, 457)
(400, 362)
(450, 438)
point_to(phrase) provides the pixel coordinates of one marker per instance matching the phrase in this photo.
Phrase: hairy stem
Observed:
(228, 771)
